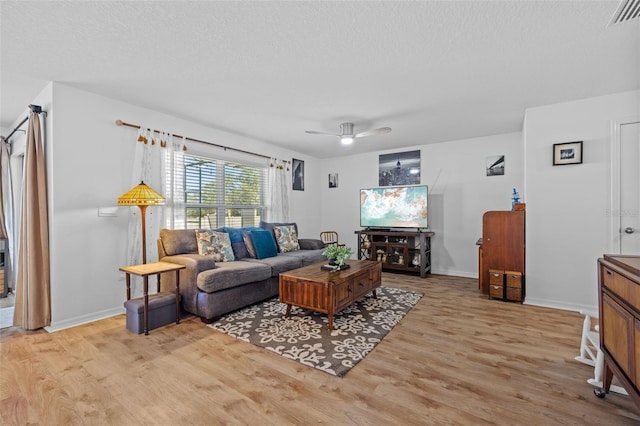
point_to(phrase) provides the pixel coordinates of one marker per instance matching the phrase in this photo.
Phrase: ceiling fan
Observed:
(346, 134)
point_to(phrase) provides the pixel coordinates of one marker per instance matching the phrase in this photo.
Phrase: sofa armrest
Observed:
(310, 244)
(161, 251)
(194, 262)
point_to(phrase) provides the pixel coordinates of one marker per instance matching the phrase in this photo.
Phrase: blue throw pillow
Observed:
(235, 234)
(264, 244)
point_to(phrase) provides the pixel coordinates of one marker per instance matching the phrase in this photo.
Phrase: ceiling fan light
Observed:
(346, 140)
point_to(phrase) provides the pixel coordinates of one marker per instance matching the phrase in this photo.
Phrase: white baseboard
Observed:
(555, 304)
(454, 273)
(84, 319)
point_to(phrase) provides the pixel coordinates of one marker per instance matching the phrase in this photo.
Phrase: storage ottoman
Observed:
(162, 311)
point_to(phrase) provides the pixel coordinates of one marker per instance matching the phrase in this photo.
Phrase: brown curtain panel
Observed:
(33, 299)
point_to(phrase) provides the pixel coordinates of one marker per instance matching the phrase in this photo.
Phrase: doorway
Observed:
(625, 187)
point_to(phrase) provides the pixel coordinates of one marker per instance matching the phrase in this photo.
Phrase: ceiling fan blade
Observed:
(313, 132)
(379, 131)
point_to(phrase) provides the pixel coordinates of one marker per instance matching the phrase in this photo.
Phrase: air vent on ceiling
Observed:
(628, 10)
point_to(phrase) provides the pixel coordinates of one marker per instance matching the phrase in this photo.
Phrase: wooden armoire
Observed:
(502, 251)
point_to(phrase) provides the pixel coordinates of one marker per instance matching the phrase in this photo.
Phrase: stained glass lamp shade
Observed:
(142, 196)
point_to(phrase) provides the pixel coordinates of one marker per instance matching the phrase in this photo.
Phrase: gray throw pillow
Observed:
(178, 241)
(248, 243)
(310, 244)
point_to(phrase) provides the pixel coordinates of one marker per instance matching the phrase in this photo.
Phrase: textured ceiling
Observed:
(433, 71)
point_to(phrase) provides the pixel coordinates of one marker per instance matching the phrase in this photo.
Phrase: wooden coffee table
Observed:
(329, 292)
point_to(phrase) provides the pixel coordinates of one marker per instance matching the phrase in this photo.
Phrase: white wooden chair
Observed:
(590, 352)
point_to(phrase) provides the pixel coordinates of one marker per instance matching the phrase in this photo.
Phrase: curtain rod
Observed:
(34, 108)
(135, 126)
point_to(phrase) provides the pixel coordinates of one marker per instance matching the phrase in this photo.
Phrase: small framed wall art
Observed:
(297, 176)
(495, 165)
(567, 153)
(333, 180)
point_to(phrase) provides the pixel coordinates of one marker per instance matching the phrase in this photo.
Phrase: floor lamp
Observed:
(141, 196)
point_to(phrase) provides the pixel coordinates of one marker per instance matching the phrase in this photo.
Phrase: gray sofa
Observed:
(211, 288)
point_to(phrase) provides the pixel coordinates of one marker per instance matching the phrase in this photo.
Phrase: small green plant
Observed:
(337, 255)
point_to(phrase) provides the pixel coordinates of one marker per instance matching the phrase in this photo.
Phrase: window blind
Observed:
(221, 193)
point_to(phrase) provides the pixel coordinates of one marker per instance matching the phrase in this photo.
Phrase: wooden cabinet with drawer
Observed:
(619, 306)
(502, 247)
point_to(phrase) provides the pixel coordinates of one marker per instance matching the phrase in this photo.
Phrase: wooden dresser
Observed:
(501, 255)
(619, 306)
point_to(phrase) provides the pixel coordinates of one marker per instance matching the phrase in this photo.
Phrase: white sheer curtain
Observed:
(279, 191)
(146, 168)
(173, 183)
(159, 162)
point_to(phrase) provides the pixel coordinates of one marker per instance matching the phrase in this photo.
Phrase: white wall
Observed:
(567, 220)
(89, 166)
(459, 193)
(90, 162)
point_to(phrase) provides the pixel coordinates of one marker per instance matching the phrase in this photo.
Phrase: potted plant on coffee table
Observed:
(337, 255)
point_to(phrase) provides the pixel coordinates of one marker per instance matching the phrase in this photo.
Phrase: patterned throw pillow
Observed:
(287, 238)
(215, 244)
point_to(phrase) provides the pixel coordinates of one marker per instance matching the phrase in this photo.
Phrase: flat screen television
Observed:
(393, 207)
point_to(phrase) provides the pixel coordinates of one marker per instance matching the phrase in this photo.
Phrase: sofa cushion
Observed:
(179, 241)
(279, 263)
(264, 244)
(286, 237)
(248, 244)
(232, 274)
(214, 244)
(307, 257)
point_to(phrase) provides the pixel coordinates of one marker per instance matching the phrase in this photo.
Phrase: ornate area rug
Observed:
(304, 336)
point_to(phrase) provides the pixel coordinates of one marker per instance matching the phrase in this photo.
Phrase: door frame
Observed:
(614, 179)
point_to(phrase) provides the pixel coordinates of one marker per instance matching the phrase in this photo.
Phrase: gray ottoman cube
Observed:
(162, 311)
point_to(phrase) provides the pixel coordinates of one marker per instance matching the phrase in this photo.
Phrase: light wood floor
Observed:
(455, 359)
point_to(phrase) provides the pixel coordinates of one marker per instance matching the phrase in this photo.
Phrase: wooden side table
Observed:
(146, 269)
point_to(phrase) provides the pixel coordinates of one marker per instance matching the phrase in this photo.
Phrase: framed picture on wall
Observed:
(494, 165)
(333, 180)
(567, 153)
(297, 177)
(401, 168)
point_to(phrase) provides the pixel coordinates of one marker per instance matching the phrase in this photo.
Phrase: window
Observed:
(221, 193)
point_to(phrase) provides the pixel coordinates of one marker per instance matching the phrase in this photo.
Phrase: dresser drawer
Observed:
(514, 294)
(496, 291)
(514, 279)
(622, 287)
(496, 277)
